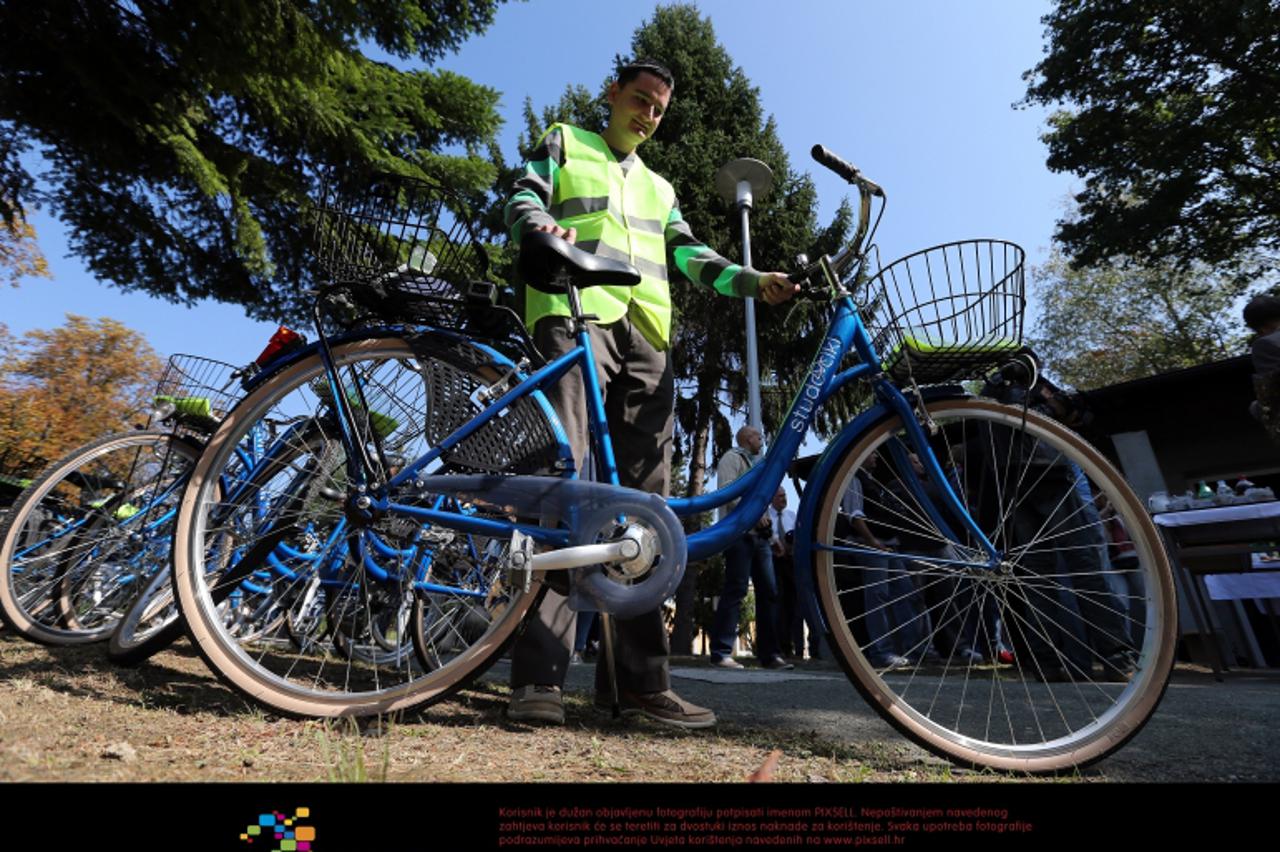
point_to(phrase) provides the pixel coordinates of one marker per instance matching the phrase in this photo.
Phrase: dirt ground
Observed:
(67, 714)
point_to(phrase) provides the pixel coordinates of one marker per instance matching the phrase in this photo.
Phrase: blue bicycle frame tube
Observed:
(817, 386)
(597, 419)
(477, 525)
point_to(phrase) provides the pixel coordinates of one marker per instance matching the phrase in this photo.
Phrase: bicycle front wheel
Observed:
(347, 588)
(83, 540)
(1050, 659)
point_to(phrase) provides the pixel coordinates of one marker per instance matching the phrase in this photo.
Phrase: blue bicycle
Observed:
(449, 495)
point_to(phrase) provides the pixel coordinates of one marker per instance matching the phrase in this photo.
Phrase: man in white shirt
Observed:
(790, 622)
(747, 559)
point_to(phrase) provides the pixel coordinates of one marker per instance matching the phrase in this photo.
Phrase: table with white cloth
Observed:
(1220, 555)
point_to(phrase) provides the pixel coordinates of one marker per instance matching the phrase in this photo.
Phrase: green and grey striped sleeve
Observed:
(701, 265)
(528, 207)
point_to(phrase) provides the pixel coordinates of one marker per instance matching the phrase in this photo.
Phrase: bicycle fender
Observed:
(591, 511)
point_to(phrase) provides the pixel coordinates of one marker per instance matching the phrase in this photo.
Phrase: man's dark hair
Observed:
(632, 70)
(1260, 310)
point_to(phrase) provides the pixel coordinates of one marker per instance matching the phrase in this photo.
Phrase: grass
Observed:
(342, 742)
(63, 708)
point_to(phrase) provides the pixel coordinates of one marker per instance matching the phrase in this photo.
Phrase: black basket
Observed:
(404, 245)
(197, 392)
(949, 312)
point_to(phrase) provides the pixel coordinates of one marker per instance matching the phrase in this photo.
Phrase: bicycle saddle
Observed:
(545, 258)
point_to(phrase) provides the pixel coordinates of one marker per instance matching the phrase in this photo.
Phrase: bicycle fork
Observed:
(919, 440)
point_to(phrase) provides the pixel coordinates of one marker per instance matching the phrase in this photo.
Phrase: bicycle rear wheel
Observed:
(1051, 660)
(88, 534)
(347, 588)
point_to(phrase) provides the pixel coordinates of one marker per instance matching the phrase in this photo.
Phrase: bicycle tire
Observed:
(71, 586)
(1047, 711)
(152, 624)
(315, 678)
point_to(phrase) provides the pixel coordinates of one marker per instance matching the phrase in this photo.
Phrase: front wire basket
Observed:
(947, 313)
(404, 246)
(197, 392)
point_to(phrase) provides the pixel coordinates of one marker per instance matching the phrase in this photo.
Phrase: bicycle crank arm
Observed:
(523, 561)
(580, 556)
(629, 574)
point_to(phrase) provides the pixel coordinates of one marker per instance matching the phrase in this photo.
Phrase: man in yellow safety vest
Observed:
(593, 190)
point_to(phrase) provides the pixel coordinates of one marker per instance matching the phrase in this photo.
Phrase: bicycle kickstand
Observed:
(606, 635)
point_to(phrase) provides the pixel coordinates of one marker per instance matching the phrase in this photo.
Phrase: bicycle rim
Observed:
(288, 528)
(925, 631)
(151, 624)
(89, 534)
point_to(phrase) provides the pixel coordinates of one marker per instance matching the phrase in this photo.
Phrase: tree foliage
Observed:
(20, 254)
(63, 387)
(1173, 119)
(1114, 323)
(182, 138)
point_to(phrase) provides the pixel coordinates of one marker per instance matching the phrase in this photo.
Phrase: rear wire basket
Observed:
(200, 391)
(403, 245)
(947, 313)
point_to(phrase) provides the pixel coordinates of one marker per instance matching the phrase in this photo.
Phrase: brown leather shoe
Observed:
(665, 707)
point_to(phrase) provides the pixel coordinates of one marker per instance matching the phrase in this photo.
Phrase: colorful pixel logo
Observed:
(288, 833)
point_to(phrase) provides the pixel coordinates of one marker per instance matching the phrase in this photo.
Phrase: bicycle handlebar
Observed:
(851, 252)
(844, 169)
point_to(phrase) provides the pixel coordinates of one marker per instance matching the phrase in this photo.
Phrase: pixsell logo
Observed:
(276, 832)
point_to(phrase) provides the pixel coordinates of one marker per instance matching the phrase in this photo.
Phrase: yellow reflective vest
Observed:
(623, 217)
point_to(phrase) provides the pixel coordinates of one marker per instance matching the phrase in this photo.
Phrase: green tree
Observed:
(182, 138)
(715, 116)
(1113, 323)
(1173, 120)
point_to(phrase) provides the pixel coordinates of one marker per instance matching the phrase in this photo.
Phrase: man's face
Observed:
(780, 500)
(752, 441)
(638, 108)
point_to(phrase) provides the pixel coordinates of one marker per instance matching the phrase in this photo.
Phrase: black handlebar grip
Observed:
(846, 170)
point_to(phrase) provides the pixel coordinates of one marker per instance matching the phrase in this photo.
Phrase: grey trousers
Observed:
(638, 386)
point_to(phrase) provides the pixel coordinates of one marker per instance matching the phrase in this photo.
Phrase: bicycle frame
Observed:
(753, 490)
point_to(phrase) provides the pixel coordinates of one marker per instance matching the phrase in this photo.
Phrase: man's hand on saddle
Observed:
(776, 288)
(567, 234)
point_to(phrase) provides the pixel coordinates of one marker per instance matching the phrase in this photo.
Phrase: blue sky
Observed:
(917, 93)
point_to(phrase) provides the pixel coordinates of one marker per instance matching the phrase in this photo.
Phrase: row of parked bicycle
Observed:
(86, 548)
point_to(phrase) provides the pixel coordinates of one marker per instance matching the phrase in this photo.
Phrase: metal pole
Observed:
(753, 356)
(741, 182)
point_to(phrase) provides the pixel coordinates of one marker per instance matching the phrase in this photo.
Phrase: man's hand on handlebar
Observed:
(567, 234)
(776, 288)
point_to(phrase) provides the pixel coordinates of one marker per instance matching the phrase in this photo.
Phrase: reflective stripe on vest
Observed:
(617, 216)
